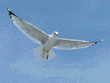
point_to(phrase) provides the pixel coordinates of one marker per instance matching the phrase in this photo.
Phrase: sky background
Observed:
(74, 19)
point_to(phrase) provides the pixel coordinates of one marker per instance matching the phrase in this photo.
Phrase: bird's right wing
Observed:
(68, 44)
(28, 29)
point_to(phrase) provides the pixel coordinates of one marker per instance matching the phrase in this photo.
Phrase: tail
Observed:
(38, 52)
(51, 54)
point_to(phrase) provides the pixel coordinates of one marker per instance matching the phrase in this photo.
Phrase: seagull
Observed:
(46, 41)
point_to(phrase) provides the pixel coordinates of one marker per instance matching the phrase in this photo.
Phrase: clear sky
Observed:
(73, 19)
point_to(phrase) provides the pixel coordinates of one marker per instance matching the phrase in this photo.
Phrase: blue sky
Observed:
(73, 19)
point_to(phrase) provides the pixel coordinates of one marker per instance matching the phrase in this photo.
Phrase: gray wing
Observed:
(28, 29)
(68, 44)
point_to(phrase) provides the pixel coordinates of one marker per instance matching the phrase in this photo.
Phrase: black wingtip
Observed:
(98, 41)
(10, 12)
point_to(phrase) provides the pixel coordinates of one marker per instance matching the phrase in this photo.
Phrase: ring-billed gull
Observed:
(48, 41)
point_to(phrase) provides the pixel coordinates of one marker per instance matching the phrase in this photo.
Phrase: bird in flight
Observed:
(47, 41)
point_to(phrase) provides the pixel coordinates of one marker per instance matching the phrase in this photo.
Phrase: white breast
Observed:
(49, 44)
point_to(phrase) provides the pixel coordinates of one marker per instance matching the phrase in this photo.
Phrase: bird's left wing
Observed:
(28, 29)
(68, 44)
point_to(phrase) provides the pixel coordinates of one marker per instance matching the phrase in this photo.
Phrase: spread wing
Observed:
(68, 44)
(28, 29)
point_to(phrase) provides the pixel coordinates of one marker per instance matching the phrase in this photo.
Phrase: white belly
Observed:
(50, 43)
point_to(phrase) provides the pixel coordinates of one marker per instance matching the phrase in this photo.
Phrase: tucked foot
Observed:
(47, 54)
(47, 57)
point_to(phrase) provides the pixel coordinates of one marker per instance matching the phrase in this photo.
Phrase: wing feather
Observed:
(68, 44)
(28, 29)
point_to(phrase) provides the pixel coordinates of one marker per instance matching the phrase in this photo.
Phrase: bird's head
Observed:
(55, 34)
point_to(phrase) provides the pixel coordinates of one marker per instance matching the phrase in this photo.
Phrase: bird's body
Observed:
(47, 41)
(48, 45)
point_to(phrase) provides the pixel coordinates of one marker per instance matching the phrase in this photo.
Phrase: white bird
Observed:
(48, 41)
